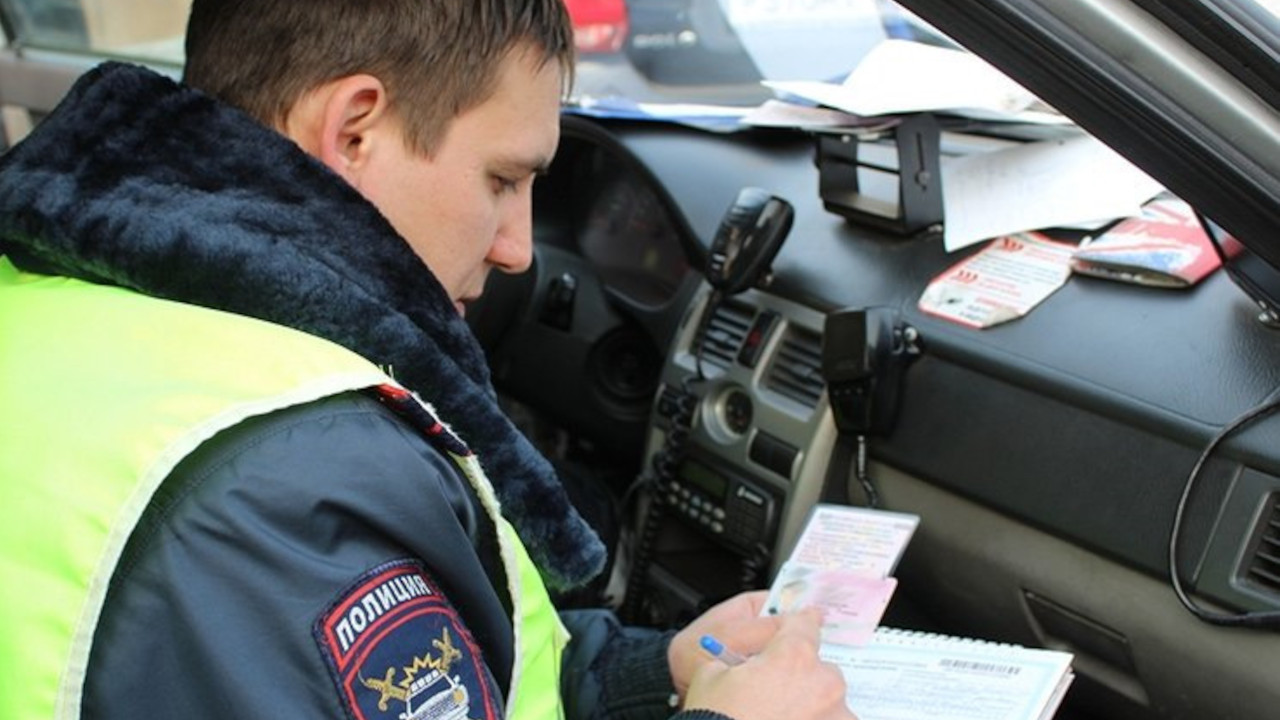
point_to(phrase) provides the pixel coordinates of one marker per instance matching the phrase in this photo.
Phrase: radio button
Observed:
(770, 452)
(750, 496)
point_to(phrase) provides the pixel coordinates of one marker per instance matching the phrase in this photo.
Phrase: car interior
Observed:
(715, 337)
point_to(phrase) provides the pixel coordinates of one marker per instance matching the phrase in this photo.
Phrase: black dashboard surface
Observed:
(1083, 418)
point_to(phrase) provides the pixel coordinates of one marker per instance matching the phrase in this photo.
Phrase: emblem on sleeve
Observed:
(397, 649)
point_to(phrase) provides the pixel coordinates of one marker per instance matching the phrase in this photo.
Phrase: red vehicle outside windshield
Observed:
(599, 26)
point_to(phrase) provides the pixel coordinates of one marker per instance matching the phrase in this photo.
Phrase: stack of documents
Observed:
(842, 563)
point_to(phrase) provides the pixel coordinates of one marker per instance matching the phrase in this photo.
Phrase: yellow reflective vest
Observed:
(89, 428)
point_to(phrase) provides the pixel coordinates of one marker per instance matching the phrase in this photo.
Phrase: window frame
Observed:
(1216, 27)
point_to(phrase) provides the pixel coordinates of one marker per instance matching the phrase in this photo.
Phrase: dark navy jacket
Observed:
(261, 529)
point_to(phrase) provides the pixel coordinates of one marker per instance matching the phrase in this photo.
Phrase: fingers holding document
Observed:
(786, 679)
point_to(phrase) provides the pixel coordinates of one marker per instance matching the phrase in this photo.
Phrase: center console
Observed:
(742, 436)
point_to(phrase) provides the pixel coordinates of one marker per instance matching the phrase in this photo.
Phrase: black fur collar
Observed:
(137, 181)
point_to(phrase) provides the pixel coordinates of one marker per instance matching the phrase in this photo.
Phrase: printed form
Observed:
(902, 675)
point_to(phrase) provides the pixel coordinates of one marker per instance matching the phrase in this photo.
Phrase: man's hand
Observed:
(782, 676)
(735, 621)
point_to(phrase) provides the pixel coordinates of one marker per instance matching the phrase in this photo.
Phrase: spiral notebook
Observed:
(910, 675)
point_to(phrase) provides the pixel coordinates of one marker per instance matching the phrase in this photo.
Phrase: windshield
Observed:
(719, 51)
(715, 52)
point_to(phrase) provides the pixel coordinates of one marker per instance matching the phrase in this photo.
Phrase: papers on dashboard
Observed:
(899, 76)
(1063, 182)
(775, 113)
(1001, 282)
(1165, 246)
(1045, 184)
(1073, 181)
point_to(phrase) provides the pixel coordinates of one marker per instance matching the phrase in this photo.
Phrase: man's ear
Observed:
(339, 121)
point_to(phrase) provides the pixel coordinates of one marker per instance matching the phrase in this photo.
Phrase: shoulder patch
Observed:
(398, 650)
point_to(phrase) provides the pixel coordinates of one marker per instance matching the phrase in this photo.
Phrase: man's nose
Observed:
(512, 250)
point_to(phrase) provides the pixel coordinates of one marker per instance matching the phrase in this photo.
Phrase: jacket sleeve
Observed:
(255, 571)
(615, 672)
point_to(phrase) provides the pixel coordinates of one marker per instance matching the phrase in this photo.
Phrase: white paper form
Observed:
(947, 678)
(1051, 183)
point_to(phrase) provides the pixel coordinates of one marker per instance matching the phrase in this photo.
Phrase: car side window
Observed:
(146, 30)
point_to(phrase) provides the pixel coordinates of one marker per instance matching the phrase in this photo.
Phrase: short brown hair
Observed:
(437, 58)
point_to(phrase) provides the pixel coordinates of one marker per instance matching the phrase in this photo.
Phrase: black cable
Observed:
(1269, 618)
(666, 464)
(848, 451)
(860, 470)
(632, 601)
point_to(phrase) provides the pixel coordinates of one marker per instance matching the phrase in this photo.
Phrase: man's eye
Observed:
(505, 184)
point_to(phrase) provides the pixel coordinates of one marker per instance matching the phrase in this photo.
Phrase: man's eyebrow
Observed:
(517, 166)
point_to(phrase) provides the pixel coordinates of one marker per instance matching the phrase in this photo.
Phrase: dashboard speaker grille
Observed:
(796, 371)
(725, 333)
(1263, 569)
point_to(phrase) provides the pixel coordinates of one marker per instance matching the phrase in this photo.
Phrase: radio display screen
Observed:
(703, 477)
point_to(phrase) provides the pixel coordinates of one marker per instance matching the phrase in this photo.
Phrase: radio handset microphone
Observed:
(747, 240)
(865, 352)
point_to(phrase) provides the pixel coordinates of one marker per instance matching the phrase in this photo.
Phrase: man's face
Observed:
(467, 207)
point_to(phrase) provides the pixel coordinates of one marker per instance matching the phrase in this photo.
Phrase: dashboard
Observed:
(1046, 457)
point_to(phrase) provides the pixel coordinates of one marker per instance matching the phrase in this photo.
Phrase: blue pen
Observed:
(720, 652)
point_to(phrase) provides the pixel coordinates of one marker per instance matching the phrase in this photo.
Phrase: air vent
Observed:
(796, 371)
(725, 333)
(1264, 568)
